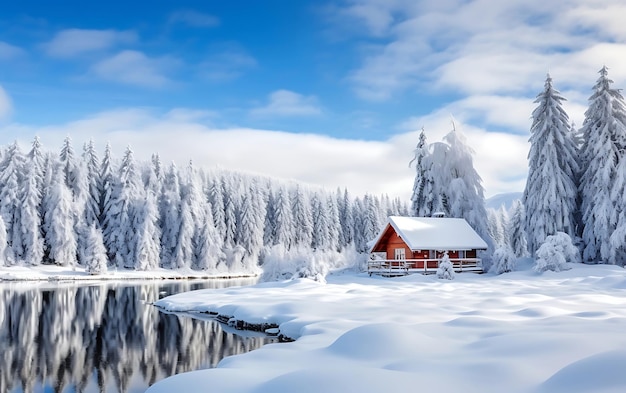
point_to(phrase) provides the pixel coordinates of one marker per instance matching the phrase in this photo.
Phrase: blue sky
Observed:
(326, 92)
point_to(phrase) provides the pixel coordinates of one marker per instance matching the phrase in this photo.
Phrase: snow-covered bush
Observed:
(446, 269)
(503, 260)
(282, 264)
(555, 252)
(300, 262)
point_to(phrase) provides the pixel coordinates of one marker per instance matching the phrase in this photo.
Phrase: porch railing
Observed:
(399, 267)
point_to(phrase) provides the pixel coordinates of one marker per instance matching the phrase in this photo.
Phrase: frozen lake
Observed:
(105, 337)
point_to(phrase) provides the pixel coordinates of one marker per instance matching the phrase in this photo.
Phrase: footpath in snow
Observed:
(518, 332)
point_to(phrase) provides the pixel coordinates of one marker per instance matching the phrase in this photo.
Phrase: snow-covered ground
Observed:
(517, 332)
(67, 273)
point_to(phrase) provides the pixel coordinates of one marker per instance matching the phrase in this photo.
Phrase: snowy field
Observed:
(517, 332)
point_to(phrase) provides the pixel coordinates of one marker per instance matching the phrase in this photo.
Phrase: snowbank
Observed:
(517, 332)
(66, 273)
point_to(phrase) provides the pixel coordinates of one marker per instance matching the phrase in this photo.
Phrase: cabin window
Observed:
(399, 253)
(461, 253)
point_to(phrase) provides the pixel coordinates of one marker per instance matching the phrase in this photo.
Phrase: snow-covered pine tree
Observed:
(346, 222)
(4, 261)
(604, 130)
(445, 271)
(95, 253)
(283, 216)
(60, 235)
(369, 222)
(216, 197)
(147, 233)
(517, 230)
(106, 181)
(302, 217)
(422, 198)
(250, 226)
(457, 187)
(157, 167)
(230, 211)
(118, 214)
(29, 225)
(320, 240)
(356, 212)
(269, 229)
(495, 229)
(334, 227)
(208, 246)
(37, 160)
(551, 191)
(11, 169)
(67, 159)
(169, 206)
(92, 167)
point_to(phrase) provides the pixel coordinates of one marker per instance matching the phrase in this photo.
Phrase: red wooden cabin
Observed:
(417, 244)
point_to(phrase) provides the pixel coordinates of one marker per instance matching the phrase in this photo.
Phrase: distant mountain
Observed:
(505, 199)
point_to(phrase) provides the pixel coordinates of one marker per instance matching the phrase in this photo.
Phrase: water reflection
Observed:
(104, 337)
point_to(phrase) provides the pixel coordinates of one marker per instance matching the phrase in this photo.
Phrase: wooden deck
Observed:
(402, 267)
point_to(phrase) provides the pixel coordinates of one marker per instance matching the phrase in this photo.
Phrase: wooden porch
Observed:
(402, 267)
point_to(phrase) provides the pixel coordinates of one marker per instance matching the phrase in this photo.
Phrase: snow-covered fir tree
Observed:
(457, 187)
(208, 253)
(551, 193)
(302, 217)
(517, 230)
(37, 160)
(346, 220)
(95, 255)
(118, 214)
(445, 271)
(422, 198)
(147, 233)
(11, 170)
(4, 260)
(604, 131)
(27, 240)
(92, 167)
(169, 207)
(60, 240)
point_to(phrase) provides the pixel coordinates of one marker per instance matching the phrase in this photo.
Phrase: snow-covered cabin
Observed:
(416, 244)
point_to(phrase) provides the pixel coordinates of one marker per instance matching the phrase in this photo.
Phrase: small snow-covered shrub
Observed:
(445, 270)
(503, 260)
(298, 262)
(555, 252)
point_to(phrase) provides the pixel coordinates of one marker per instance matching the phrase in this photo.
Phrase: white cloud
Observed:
(8, 51)
(361, 166)
(484, 46)
(193, 19)
(228, 62)
(135, 68)
(73, 42)
(5, 104)
(288, 103)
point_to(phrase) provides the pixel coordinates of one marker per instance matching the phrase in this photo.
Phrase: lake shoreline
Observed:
(56, 273)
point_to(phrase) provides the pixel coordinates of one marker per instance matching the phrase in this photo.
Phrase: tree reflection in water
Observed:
(104, 337)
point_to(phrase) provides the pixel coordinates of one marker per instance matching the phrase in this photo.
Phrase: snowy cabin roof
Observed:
(429, 233)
